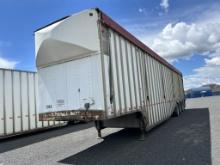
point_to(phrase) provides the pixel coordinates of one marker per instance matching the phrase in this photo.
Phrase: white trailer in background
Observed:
(90, 68)
(18, 103)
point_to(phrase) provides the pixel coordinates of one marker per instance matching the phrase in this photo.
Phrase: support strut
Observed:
(141, 126)
(98, 125)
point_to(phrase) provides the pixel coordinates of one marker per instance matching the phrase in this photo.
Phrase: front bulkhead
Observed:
(68, 57)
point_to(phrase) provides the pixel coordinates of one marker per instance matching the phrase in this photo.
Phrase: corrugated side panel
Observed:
(24, 101)
(18, 102)
(1, 104)
(31, 101)
(8, 102)
(139, 82)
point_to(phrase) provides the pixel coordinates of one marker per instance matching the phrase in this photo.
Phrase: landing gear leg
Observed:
(142, 131)
(99, 134)
(98, 126)
(141, 126)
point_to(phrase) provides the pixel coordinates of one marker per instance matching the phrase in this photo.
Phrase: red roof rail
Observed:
(116, 27)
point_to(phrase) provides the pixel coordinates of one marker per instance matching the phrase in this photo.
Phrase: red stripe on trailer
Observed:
(116, 27)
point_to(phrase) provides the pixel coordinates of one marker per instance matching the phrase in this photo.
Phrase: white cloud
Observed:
(182, 40)
(164, 4)
(207, 74)
(203, 75)
(6, 63)
(140, 10)
(213, 61)
(9, 64)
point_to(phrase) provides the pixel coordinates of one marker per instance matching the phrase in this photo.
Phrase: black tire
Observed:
(176, 112)
(181, 107)
(72, 122)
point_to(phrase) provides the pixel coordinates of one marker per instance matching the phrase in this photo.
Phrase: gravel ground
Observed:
(213, 103)
(182, 140)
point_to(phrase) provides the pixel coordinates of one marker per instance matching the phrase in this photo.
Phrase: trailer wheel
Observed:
(73, 122)
(83, 121)
(176, 112)
(182, 106)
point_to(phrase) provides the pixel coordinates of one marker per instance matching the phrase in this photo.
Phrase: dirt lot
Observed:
(183, 140)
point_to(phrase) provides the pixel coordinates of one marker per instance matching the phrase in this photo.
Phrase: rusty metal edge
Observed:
(118, 28)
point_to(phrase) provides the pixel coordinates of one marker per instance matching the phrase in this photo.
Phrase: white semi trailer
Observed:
(90, 68)
(18, 103)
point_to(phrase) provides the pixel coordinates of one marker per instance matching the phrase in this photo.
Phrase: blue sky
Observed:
(183, 32)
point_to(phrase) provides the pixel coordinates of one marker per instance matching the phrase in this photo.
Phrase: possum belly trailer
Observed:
(91, 69)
